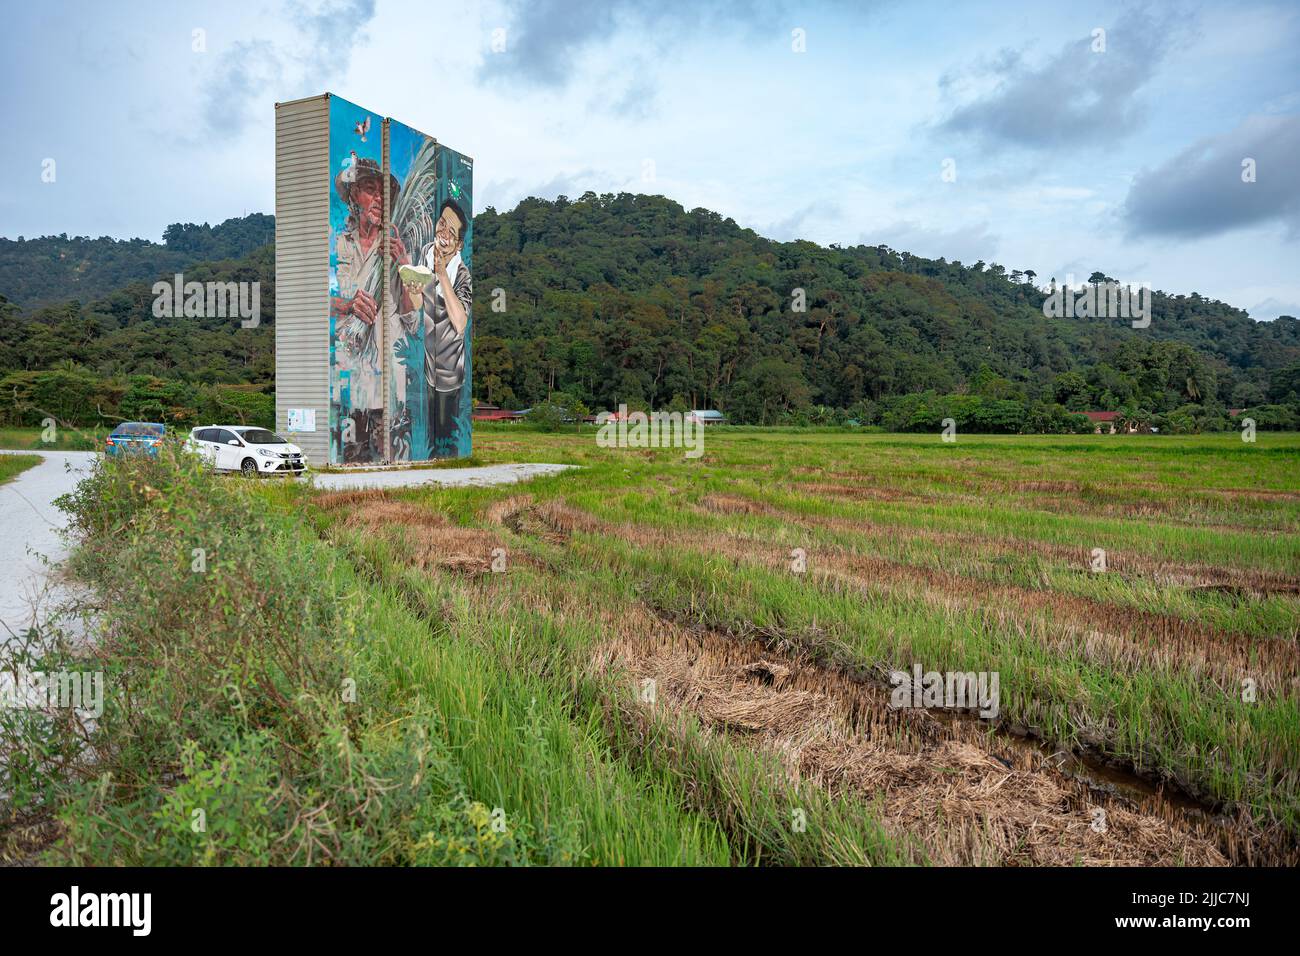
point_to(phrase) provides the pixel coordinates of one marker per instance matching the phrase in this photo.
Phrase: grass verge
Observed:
(11, 466)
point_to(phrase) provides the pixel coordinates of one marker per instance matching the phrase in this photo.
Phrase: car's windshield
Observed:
(139, 428)
(260, 436)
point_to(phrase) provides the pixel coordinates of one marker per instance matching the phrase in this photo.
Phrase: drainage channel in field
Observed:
(863, 725)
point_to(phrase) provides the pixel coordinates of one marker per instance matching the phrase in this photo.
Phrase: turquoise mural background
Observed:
(419, 349)
(456, 183)
(353, 372)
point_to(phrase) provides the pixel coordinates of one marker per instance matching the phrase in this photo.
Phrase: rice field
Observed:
(682, 661)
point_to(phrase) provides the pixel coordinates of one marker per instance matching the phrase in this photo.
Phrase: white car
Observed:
(253, 451)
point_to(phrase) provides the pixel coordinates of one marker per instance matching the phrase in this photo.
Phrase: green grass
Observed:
(478, 693)
(65, 439)
(533, 735)
(13, 465)
(1170, 512)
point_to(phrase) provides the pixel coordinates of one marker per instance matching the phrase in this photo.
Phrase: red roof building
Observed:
(1107, 423)
(491, 413)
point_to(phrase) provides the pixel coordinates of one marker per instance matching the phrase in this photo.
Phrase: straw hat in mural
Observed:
(359, 169)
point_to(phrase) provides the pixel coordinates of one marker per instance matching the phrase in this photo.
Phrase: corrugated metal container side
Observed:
(302, 256)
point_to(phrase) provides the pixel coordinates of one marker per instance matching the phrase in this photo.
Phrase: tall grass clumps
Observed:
(234, 726)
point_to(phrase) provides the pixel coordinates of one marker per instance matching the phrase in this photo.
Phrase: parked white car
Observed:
(253, 451)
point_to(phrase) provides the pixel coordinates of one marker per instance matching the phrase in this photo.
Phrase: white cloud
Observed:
(966, 244)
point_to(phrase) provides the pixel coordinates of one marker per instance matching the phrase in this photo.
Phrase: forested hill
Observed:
(54, 269)
(631, 298)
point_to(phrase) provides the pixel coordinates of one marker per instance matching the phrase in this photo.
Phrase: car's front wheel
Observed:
(249, 468)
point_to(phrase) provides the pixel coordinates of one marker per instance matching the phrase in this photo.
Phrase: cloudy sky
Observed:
(1014, 133)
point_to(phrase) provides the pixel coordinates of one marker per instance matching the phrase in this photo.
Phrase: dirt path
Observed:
(447, 477)
(31, 545)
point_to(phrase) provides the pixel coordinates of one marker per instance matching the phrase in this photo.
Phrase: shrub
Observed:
(73, 398)
(149, 399)
(1271, 417)
(228, 636)
(546, 417)
(235, 405)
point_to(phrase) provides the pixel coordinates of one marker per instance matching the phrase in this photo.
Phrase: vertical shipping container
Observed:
(373, 266)
(302, 274)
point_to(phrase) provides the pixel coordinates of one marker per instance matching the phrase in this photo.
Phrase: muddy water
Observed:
(1098, 773)
(1239, 840)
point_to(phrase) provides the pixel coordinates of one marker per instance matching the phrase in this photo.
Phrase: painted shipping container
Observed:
(374, 363)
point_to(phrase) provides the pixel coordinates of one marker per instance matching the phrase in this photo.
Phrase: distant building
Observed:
(493, 413)
(706, 416)
(703, 416)
(1108, 423)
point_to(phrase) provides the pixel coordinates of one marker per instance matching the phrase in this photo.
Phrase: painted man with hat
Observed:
(355, 304)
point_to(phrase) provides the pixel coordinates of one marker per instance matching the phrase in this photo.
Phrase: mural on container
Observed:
(453, 250)
(411, 311)
(356, 274)
(434, 223)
